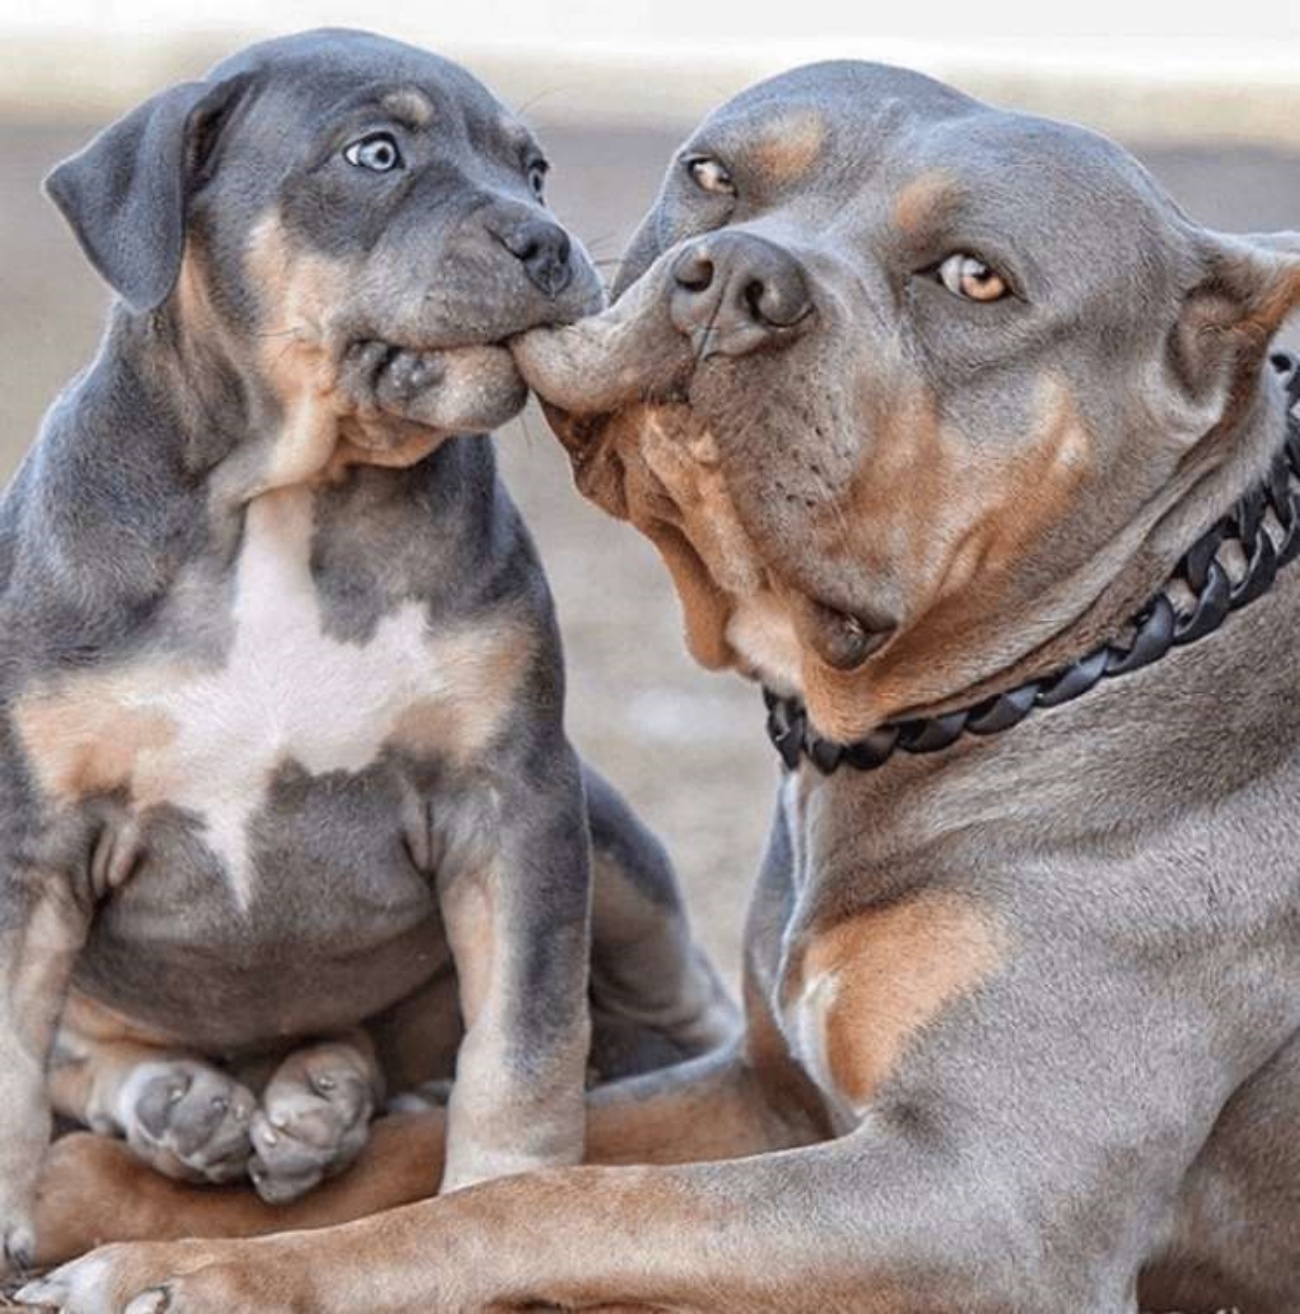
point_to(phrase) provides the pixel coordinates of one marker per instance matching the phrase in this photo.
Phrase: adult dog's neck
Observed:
(1232, 563)
(1145, 555)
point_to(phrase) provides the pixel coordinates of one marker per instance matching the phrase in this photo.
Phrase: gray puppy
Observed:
(289, 815)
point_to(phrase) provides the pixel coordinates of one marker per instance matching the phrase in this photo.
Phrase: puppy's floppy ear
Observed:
(124, 195)
(1246, 289)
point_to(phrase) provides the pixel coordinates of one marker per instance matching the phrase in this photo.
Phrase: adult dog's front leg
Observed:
(786, 1233)
(517, 913)
(42, 926)
(94, 1190)
(714, 1107)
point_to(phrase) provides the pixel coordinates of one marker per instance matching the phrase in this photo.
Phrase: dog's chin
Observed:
(433, 394)
(479, 391)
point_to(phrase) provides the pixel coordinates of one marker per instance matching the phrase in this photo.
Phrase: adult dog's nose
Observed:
(544, 250)
(734, 292)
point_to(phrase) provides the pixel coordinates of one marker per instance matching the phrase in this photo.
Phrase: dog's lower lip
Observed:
(845, 639)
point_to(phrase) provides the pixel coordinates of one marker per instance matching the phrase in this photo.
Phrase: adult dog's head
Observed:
(901, 385)
(337, 217)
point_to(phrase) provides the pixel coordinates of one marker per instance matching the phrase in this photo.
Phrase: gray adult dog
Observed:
(289, 815)
(929, 409)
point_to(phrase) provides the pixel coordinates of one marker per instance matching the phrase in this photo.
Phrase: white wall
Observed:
(1190, 68)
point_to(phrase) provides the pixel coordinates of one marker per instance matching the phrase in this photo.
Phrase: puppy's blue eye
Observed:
(537, 172)
(378, 152)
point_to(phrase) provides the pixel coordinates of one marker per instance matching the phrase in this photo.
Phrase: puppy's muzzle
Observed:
(542, 247)
(732, 293)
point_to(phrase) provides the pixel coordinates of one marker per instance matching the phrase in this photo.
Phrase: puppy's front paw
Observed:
(314, 1120)
(188, 1120)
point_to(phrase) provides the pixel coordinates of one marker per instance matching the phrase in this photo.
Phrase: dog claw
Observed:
(155, 1301)
(20, 1248)
(39, 1293)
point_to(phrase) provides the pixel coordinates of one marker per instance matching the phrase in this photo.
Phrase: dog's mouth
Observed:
(631, 404)
(445, 388)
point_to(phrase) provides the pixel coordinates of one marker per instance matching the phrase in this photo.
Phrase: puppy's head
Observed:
(348, 218)
(895, 380)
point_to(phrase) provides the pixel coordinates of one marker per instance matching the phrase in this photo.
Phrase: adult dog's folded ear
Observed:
(1247, 288)
(125, 194)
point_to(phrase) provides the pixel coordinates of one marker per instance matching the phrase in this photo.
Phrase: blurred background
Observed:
(1207, 94)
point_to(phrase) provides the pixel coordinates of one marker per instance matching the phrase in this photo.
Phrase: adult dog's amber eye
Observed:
(969, 277)
(709, 175)
(378, 152)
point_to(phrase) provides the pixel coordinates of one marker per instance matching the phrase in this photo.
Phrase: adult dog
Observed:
(289, 815)
(961, 437)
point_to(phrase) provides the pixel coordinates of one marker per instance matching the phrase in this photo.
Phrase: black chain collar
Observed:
(1155, 630)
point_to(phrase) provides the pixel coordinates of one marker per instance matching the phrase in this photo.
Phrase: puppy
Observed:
(289, 814)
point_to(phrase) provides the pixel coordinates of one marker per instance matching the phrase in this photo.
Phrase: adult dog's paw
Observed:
(187, 1277)
(17, 1236)
(314, 1120)
(188, 1120)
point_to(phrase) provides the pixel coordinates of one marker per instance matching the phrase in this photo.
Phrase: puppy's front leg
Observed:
(43, 924)
(517, 920)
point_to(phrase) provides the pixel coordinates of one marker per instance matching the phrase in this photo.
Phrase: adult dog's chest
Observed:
(243, 706)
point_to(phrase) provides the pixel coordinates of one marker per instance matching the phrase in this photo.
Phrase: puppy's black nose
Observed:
(733, 292)
(545, 251)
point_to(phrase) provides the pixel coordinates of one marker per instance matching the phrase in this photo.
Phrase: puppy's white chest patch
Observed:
(208, 738)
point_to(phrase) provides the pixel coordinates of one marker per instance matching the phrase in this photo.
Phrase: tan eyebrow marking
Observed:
(408, 106)
(924, 200)
(788, 146)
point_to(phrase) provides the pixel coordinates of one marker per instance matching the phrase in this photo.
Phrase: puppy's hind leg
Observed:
(656, 997)
(178, 1112)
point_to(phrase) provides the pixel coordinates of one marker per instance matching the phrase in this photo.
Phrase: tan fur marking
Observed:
(468, 913)
(297, 359)
(923, 200)
(952, 524)
(87, 739)
(788, 148)
(893, 970)
(94, 1190)
(657, 468)
(492, 664)
(409, 106)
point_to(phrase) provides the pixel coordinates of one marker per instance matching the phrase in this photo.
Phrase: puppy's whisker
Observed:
(545, 94)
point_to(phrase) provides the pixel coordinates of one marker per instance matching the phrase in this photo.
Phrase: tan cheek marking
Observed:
(298, 291)
(788, 148)
(674, 491)
(923, 201)
(705, 608)
(893, 972)
(484, 671)
(952, 525)
(84, 741)
(196, 312)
